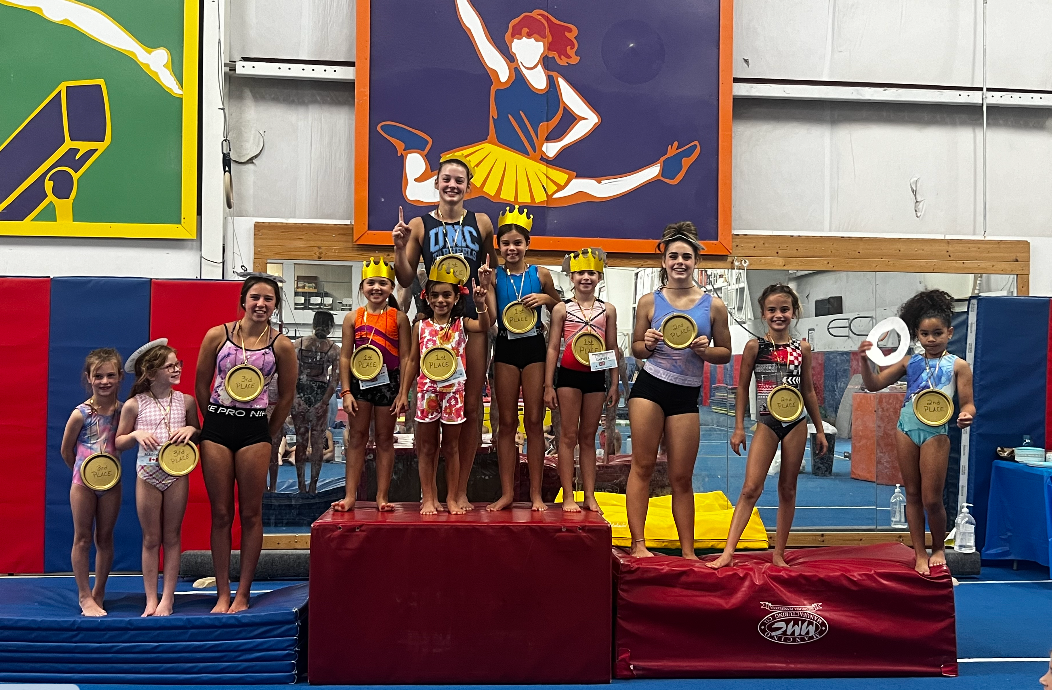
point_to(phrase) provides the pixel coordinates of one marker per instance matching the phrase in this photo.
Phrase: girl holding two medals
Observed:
(89, 449)
(439, 356)
(586, 325)
(784, 389)
(932, 376)
(162, 421)
(519, 293)
(679, 328)
(370, 380)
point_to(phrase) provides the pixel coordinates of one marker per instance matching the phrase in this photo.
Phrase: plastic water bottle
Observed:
(964, 541)
(898, 509)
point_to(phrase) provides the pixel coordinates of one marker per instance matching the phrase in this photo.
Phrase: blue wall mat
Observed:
(1011, 359)
(837, 375)
(87, 313)
(958, 346)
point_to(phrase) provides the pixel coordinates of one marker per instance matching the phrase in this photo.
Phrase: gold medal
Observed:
(785, 403)
(679, 331)
(518, 318)
(178, 459)
(100, 471)
(584, 344)
(439, 363)
(244, 383)
(933, 407)
(455, 264)
(366, 362)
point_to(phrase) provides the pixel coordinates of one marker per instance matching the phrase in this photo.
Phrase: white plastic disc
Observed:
(888, 325)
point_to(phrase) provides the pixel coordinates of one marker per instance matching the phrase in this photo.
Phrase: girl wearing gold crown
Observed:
(679, 328)
(520, 293)
(453, 238)
(437, 365)
(578, 389)
(370, 380)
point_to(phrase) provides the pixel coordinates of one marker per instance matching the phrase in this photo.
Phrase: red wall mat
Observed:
(25, 312)
(183, 311)
(1048, 381)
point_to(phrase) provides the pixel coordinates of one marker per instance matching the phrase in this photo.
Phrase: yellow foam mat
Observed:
(712, 521)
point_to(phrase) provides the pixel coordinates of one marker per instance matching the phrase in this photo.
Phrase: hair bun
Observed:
(684, 231)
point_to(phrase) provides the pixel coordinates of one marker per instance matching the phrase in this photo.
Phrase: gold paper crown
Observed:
(377, 268)
(587, 259)
(442, 275)
(515, 217)
(459, 159)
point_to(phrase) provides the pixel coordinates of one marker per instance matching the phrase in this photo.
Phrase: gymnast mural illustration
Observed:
(526, 104)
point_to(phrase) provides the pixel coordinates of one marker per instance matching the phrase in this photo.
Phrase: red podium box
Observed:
(838, 611)
(514, 596)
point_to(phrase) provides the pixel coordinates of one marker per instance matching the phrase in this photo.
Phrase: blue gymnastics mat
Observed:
(44, 639)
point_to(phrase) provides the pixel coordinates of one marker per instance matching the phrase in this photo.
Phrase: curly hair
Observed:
(930, 304)
(780, 289)
(684, 231)
(147, 365)
(96, 358)
(559, 38)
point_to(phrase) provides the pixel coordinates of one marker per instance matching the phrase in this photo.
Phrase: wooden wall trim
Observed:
(313, 242)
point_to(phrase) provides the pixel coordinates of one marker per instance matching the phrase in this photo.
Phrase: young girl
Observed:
(319, 362)
(924, 450)
(92, 429)
(380, 337)
(778, 359)
(155, 415)
(578, 392)
(441, 402)
(664, 398)
(519, 294)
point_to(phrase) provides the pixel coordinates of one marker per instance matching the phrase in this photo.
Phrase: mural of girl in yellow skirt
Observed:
(527, 102)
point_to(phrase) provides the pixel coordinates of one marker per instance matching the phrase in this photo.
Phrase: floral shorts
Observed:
(438, 405)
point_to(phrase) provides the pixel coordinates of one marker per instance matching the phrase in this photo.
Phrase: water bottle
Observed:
(964, 541)
(898, 509)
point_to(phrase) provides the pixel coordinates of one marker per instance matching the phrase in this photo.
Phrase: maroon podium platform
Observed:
(838, 611)
(514, 596)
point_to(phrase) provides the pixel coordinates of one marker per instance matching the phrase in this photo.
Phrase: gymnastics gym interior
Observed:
(154, 155)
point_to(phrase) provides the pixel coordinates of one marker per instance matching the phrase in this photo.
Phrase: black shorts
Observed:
(235, 427)
(584, 381)
(520, 352)
(672, 398)
(378, 396)
(780, 430)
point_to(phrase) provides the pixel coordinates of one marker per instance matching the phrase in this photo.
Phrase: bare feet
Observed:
(593, 505)
(223, 605)
(501, 503)
(164, 608)
(539, 505)
(151, 609)
(570, 506)
(937, 558)
(455, 508)
(240, 604)
(383, 505)
(464, 504)
(90, 607)
(922, 565)
(345, 504)
(429, 508)
(779, 560)
(99, 595)
(639, 550)
(723, 561)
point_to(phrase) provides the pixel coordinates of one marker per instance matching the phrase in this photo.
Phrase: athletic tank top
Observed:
(682, 367)
(383, 329)
(159, 419)
(510, 287)
(314, 363)
(457, 341)
(923, 373)
(454, 238)
(776, 365)
(229, 356)
(98, 435)
(577, 320)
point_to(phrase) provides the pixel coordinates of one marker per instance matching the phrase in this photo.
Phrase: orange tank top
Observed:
(383, 329)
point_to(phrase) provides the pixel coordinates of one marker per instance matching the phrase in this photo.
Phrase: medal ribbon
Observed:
(931, 372)
(445, 228)
(255, 346)
(167, 412)
(587, 322)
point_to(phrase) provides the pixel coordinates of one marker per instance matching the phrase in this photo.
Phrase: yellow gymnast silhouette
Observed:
(526, 103)
(100, 27)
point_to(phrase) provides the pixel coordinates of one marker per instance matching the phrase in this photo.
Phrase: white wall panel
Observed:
(69, 256)
(292, 29)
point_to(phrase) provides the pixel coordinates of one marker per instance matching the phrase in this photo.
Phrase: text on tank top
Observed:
(454, 237)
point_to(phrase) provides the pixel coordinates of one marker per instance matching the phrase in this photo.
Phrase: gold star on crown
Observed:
(376, 267)
(518, 216)
(587, 259)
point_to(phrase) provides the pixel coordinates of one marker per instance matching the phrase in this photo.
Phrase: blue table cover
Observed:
(1019, 522)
